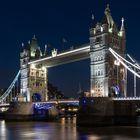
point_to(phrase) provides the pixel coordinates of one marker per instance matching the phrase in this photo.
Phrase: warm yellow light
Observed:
(110, 30)
(94, 31)
(32, 66)
(4, 109)
(63, 109)
(120, 34)
(116, 62)
(75, 109)
(92, 91)
(69, 109)
(43, 68)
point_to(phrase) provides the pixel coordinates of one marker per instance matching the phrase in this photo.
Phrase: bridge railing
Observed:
(126, 98)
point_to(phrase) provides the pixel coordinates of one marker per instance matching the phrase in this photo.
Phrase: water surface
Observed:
(65, 129)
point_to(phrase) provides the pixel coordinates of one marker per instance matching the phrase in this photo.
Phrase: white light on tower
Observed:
(92, 91)
(116, 62)
(33, 66)
(44, 68)
(101, 29)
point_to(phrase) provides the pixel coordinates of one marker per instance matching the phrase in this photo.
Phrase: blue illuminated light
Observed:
(92, 101)
(45, 106)
(84, 101)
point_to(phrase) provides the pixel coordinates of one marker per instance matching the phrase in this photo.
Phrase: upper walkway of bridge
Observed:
(68, 56)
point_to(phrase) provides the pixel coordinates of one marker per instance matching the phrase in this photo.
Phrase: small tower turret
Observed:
(122, 30)
(45, 50)
(33, 46)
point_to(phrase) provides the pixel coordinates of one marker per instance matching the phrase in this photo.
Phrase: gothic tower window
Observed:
(37, 74)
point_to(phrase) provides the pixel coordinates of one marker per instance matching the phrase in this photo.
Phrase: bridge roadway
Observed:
(65, 57)
(74, 101)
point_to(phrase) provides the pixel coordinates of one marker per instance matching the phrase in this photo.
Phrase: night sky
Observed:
(52, 20)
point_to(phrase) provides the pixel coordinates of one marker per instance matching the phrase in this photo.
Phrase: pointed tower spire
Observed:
(122, 30)
(108, 18)
(107, 10)
(92, 21)
(45, 50)
(33, 46)
(122, 26)
(92, 17)
(29, 42)
(22, 44)
(34, 37)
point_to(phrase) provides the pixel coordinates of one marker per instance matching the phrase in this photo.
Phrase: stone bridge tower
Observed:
(33, 84)
(107, 75)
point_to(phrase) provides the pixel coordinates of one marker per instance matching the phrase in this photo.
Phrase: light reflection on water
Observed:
(2, 130)
(65, 129)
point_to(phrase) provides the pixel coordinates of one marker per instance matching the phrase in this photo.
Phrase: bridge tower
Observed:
(33, 84)
(108, 77)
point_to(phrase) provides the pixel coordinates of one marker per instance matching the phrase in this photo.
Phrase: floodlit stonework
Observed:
(33, 77)
(107, 78)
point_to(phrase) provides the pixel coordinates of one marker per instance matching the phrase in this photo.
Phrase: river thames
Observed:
(64, 129)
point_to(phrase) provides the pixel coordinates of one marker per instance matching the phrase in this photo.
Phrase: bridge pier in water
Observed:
(102, 111)
(21, 111)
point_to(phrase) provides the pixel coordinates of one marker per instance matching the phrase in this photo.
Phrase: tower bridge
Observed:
(106, 103)
(108, 65)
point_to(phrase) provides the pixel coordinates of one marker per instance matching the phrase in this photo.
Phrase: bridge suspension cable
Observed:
(133, 60)
(9, 90)
(138, 71)
(128, 65)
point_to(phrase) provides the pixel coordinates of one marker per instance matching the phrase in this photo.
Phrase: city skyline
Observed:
(52, 21)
